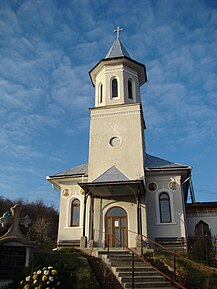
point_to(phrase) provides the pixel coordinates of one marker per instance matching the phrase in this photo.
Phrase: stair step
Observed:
(152, 285)
(124, 259)
(142, 273)
(122, 256)
(139, 279)
(119, 252)
(136, 269)
(125, 264)
(145, 277)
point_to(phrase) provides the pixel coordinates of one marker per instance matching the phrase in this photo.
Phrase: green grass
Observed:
(71, 266)
(189, 275)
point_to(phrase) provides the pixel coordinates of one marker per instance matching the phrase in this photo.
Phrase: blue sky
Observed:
(47, 48)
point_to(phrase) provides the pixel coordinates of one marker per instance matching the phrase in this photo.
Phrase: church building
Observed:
(122, 192)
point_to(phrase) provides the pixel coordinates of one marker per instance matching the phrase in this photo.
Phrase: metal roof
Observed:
(117, 50)
(113, 188)
(114, 174)
(79, 170)
(118, 54)
(111, 175)
(152, 162)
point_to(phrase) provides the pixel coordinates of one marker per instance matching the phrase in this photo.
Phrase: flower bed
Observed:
(46, 278)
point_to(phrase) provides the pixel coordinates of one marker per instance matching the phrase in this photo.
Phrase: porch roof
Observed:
(112, 189)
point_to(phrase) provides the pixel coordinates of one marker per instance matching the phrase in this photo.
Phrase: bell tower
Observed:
(116, 122)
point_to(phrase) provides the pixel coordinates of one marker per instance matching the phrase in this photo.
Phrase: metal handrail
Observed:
(157, 270)
(178, 255)
(175, 283)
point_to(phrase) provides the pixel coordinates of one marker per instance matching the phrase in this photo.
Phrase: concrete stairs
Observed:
(145, 277)
(68, 244)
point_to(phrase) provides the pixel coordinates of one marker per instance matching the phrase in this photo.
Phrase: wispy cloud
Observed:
(48, 47)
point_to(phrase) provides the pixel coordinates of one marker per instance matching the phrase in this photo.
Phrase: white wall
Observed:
(211, 220)
(65, 232)
(126, 123)
(155, 228)
(101, 207)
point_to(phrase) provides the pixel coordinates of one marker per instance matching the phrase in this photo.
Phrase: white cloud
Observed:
(8, 16)
(67, 84)
(48, 47)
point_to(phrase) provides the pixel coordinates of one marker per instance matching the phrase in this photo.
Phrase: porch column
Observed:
(83, 241)
(139, 217)
(84, 213)
(91, 217)
(139, 222)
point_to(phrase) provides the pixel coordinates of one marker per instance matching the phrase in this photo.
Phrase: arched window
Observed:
(130, 89)
(165, 211)
(114, 88)
(100, 93)
(75, 213)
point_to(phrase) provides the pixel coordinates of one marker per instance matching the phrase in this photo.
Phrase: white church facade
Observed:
(122, 192)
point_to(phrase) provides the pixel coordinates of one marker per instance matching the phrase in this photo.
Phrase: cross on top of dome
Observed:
(118, 30)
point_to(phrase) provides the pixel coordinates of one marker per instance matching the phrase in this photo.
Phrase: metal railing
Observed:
(203, 249)
(140, 257)
(175, 255)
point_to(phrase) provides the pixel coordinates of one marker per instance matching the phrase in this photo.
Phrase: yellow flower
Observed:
(54, 272)
(26, 286)
(37, 287)
(44, 278)
(35, 277)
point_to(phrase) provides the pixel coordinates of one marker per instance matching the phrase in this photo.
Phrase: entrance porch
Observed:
(114, 214)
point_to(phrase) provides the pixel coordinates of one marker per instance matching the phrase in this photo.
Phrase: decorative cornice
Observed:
(201, 211)
(115, 114)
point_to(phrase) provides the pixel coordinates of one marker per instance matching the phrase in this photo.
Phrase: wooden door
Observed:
(116, 227)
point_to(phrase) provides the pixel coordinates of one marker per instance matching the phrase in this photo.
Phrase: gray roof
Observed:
(114, 174)
(79, 170)
(152, 162)
(111, 175)
(117, 50)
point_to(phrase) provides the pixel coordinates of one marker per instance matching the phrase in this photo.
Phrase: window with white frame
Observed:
(114, 88)
(75, 213)
(165, 208)
(130, 88)
(100, 93)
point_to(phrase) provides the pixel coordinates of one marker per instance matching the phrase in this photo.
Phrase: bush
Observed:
(189, 275)
(73, 271)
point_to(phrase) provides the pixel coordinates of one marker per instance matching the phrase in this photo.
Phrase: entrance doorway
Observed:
(116, 227)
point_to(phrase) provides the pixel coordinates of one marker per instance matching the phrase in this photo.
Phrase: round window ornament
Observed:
(173, 185)
(82, 191)
(66, 193)
(152, 187)
(115, 141)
